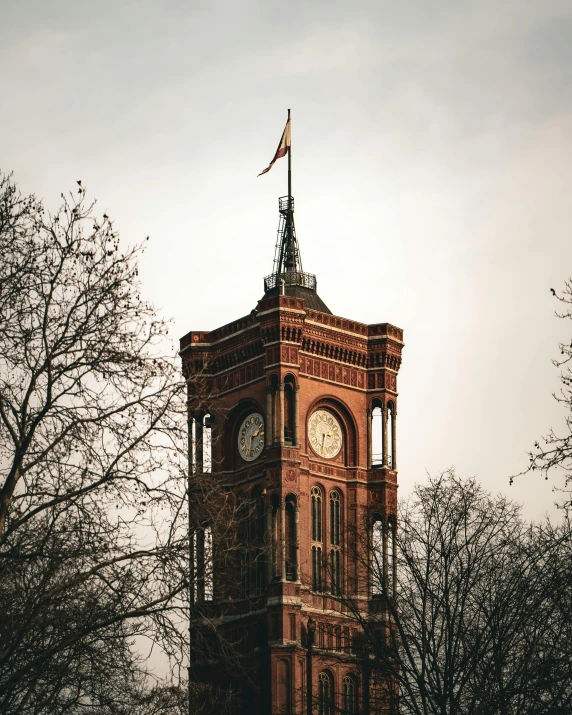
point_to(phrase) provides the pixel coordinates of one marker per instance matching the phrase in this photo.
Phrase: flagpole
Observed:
(290, 163)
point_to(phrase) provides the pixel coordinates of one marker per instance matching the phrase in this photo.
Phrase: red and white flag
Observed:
(283, 147)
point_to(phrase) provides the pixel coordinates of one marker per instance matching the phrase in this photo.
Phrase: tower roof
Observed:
(288, 277)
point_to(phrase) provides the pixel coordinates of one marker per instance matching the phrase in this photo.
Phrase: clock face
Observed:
(325, 434)
(251, 437)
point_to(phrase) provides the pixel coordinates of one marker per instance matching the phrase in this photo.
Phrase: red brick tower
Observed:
(303, 425)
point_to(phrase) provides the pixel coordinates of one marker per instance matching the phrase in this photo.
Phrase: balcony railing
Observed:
(290, 278)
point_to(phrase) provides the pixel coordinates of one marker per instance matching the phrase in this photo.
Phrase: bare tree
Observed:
(480, 621)
(94, 549)
(554, 451)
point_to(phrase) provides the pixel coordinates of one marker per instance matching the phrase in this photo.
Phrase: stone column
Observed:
(296, 415)
(394, 440)
(282, 540)
(384, 435)
(269, 426)
(281, 401)
(297, 542)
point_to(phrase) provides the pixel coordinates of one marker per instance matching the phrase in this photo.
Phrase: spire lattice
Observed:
(287, 268)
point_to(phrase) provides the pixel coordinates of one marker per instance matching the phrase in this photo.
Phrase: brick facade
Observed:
(285, 361)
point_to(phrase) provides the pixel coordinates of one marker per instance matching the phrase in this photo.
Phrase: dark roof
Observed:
(311, 299)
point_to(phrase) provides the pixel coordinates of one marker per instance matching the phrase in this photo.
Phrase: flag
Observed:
(283, 147)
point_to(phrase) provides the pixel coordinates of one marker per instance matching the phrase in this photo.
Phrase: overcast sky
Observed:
(432, 146)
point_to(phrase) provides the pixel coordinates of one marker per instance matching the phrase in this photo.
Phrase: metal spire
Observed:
(287, 268)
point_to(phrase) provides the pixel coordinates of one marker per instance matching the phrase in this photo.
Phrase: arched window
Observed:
(325, 694)
(316, 514)
(376, 557)
(376, 434)
(289, 436)
(316, 501)
(335, 518)
(349, 696)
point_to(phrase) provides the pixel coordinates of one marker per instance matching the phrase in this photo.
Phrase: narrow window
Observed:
(335, 518)
(316, 568)
(391, 435)
(376, 560)
(316, 514)
(349, 696)
(316, 502)
(290, 536)
(376, 435)
(209, 564)
(335, 576)
(390, 555)
(347, 642)
(335, 557)
(289, 411)
(207, 444)
(325, 694)
(338, 639)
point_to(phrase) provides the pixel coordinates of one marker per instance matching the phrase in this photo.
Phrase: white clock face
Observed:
(251, 437)
(325, 434)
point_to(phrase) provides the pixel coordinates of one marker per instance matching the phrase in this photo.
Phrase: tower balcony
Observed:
(290, 278)
(286, 204)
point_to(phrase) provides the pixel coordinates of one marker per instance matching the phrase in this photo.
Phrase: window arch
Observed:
(325, 694)
(317, 536)
(349, 696)
(376, 433)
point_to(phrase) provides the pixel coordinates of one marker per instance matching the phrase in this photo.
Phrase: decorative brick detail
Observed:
(338, 365)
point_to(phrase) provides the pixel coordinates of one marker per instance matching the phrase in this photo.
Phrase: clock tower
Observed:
(303, 419)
